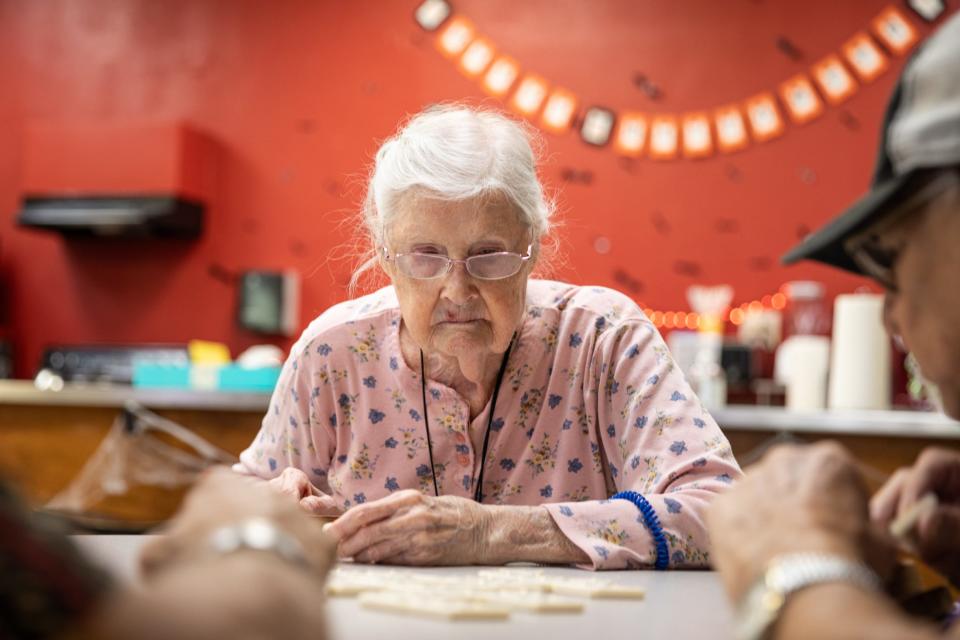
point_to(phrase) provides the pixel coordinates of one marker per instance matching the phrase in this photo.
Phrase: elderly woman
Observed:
(469, 414)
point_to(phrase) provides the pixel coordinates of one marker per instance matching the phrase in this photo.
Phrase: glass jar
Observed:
(806, 312)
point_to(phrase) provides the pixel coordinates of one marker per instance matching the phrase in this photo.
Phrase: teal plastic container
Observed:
(234, 378)
(161, 376)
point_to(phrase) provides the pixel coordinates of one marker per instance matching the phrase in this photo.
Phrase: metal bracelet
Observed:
(258, 534)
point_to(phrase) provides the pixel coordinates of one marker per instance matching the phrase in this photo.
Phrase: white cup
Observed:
(801, 366)
(860, 361)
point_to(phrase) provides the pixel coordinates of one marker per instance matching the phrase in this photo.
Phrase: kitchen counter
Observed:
(893, 424)
(47, 436)
(23, 392)
(896, 424)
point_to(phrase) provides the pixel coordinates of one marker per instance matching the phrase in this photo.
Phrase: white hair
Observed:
(455, 152)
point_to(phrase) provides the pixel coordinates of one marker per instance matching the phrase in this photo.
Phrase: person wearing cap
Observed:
(801, 548)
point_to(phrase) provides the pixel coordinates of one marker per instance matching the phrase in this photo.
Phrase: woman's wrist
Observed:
(529, 534)
(487, 543)
(504, 539)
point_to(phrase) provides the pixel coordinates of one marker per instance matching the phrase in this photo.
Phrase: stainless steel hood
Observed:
(117, 178)
(114, 216)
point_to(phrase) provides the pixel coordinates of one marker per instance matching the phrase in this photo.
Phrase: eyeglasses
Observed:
(877, 249)
(486, 266)
(876, 262)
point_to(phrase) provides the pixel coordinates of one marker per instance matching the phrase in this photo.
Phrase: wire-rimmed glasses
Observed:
(484, 266)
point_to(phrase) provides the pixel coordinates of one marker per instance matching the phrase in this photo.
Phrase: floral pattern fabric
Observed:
(591, 403)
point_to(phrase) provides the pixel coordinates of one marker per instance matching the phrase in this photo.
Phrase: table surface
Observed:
(679, 605)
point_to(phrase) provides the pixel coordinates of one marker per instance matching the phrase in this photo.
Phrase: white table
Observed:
(679, 605)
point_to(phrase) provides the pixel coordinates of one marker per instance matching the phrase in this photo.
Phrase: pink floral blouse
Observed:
(591, 404)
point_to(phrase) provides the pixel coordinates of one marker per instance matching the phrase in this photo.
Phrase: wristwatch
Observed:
(258, 534)
(787, 574)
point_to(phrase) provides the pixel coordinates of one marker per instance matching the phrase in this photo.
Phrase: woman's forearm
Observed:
(528, 534)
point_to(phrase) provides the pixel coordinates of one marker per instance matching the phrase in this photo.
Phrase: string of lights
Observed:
(804, 97)
(735, 315)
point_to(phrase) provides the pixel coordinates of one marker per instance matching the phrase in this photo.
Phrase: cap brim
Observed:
(826, 244)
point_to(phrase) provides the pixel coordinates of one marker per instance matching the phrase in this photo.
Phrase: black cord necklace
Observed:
(478, 491)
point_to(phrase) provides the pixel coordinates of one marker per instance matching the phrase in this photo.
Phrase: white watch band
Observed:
(788, 574)
(794, 571)
(258, 534)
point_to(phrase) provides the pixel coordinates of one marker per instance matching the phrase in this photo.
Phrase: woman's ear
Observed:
(534, 257)
(383, 260)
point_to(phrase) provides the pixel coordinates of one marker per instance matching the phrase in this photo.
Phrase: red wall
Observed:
(296, 94)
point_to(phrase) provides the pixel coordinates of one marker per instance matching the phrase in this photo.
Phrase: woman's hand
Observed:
(294, 483)
(408, 527)
(796, 499)
(936, 536)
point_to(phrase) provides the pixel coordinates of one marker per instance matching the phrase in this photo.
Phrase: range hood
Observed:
(143, 216)
(116, 179)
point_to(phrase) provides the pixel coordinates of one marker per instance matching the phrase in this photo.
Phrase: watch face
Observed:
(772, 600)
(757, 611)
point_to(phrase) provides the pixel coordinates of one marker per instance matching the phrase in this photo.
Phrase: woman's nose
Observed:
(458, 284)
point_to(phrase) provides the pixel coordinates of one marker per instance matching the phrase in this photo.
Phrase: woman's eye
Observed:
(432, 251)
(487, 251)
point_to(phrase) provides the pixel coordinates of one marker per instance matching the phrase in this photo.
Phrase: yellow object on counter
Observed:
(205, 352)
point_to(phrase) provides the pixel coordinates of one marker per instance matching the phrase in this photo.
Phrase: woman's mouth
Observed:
(454, 316)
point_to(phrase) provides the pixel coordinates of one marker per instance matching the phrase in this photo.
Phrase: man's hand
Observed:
(221, 498)
(936, 536)
(796, 499)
